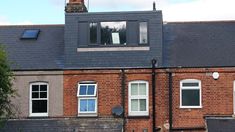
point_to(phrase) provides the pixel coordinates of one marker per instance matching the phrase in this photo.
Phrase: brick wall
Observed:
(217, 95)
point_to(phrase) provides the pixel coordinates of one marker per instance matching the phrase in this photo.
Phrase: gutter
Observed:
(153, 92)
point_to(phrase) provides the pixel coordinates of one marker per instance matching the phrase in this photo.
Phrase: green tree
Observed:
(6, 90)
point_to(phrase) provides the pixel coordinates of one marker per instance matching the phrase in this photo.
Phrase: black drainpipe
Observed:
(170, 101)
(153, 91)
(123, 85)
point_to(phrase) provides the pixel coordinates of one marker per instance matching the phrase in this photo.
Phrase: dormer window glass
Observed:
(113, 33)
(143, 32)
(93, 33)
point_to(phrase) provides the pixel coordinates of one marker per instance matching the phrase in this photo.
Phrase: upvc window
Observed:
(143, 32)
(190, 93)
(113, 33)
(87, 99)
(138, 98)
(39, 99)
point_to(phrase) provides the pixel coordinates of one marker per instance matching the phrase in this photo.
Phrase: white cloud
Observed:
(200, 10)
(174, 10)
(5, 21)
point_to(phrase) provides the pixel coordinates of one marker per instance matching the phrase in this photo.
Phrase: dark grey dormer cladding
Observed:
(113, 40)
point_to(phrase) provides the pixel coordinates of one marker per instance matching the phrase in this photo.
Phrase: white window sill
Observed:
(138, 114)
(190, 107)
(38, 115)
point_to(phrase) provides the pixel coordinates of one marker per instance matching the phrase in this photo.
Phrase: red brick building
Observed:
(122, 71)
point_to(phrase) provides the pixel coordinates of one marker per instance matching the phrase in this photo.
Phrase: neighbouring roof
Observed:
(45, 52)
(199, 44)
(64, 125)
(220, 124)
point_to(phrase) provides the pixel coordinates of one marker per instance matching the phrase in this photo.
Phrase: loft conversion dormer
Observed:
(113, 39)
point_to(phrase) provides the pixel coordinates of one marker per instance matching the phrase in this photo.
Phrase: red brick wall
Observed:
(217, 95)
(108, 86)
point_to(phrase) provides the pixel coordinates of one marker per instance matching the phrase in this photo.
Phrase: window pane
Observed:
(43, 87)
(83, 105)
(35, 87)
(190, 84)
(142, 104)
(134, 105)
(83, 89)
(30, 34)
(93, 33)
(91, 90)
(39, 106)
(43, 94)
(91, 105)
(35, 94)
(143, 32)
(113, 33)
(134, 89)
(142, 89)
(190, 98)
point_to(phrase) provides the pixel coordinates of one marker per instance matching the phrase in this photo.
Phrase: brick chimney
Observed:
(75, 6)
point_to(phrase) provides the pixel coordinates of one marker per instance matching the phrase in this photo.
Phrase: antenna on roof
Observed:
(154, 5)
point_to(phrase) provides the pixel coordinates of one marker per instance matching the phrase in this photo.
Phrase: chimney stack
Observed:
(75, 6)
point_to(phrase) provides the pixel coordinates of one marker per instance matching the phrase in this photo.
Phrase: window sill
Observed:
(123, 48)
(138, 117)
(190, 107)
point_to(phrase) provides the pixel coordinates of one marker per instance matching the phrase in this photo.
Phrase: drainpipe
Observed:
(153, 91)
(170, 101)
(123, 85)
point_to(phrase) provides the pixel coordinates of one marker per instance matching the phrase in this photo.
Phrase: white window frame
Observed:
(94, 96)
(31, 114)
(130, 97)
(192, 88)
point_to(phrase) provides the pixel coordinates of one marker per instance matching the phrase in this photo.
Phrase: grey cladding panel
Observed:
(83, 34)
(132, 33)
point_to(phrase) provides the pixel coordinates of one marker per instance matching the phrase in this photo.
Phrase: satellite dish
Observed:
(117, 110)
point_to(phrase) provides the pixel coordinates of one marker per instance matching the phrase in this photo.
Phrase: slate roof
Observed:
(199, 44)
(64, 125)
(220, 124)
(44, 53)
(185, 44)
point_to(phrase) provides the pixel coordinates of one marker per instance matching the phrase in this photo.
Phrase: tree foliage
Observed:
(6, 90)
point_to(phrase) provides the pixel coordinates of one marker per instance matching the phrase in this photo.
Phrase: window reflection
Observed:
(143, 29)
(93, 33)
(113, 33)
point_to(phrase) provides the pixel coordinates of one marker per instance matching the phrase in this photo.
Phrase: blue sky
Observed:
(14, 12)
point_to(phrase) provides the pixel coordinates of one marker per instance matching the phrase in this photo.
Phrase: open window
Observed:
(113, 33)
(87, 99)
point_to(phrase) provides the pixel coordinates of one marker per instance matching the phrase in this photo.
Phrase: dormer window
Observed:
(30, 34)
(113, 33)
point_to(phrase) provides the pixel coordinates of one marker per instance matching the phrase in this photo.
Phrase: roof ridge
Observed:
(206, 21)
